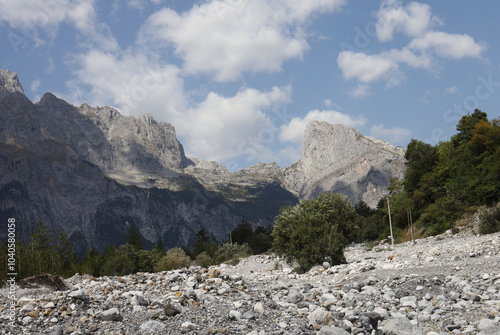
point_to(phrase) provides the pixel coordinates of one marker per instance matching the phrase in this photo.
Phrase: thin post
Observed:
(411, 225)
(390, 222)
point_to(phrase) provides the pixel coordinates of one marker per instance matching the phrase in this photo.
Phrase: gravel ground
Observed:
(447, 284)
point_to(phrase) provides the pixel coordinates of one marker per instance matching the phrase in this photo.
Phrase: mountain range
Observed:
(94, 172)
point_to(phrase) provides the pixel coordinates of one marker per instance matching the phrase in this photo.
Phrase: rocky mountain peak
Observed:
(10, 81)
(337, 158)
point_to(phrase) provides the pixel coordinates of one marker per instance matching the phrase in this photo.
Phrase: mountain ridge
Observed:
(94, 172)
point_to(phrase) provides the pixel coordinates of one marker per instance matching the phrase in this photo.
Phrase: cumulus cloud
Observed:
(393, 135)
(30, 17)
(294, 130)
(452, 90)
(133, 82)
(227, 37)
(221, 128)
(446, 45)
(412, 20)
(416, 21)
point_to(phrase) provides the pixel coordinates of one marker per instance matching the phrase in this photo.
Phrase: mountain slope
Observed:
(95, 172)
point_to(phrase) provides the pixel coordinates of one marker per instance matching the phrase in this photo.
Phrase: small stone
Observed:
(189, 325)
(259, 308)
(400, 326)
(112, 314)
(50, 304)
(234, 315)
(155, 327)
(319, 317)
(408, 301)
(78, 294)
(34, 314)
(139, 301)
(213, 273)
(325, 330)
(294, 296)
(170, 310)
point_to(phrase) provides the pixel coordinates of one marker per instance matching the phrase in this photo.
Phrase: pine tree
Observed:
(67, 259)
(134, 238)
(41, 249)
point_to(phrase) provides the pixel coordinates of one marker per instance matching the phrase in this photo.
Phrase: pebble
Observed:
(455, 293)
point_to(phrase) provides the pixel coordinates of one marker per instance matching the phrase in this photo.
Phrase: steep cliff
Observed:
(338, 159)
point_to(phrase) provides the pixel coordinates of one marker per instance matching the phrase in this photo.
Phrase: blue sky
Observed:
(239, 79)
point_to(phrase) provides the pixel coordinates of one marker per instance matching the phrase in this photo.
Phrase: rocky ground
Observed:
(441, 285)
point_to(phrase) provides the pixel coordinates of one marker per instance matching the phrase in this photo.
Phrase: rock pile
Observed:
(440, 285)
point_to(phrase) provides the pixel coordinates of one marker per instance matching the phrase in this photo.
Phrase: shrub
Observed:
(120, 261)
(175, 259)
(489, 221)
(204, 260)
(315, 230)
(231, 253)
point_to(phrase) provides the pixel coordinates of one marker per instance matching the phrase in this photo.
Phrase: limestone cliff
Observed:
(338, 159)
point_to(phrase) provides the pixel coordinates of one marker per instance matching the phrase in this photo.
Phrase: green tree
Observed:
(92, 261)
(120, 261)
(41, 249)
(421, 158)
(315, 230)
(65, 254)
(261, 240)
(176, 258)
(243, 233)
(134, 238)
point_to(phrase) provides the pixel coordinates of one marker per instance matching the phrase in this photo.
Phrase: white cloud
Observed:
(413, 20)
(448, 45)
(133, 82)
(393, 135)
(425, 97)
(365, 68)
(227, 37)
(452, 90)
(35, 85)
(223, 128)
(360, 91)
(30, 17)
(294, 130)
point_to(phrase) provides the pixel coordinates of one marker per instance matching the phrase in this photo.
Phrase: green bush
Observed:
(120, 261)
(175, 259)
(231, 253)
(489, 221)
(315, 230)
(204, 260)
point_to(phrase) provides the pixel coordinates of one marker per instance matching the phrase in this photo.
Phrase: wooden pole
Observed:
(390, 222)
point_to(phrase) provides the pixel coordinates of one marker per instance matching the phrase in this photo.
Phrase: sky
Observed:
(240, 79)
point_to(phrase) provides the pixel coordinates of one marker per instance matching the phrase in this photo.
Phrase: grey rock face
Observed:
(338, 159)
(9, 81)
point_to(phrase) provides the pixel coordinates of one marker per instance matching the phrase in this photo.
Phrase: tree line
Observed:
(444, 181)
(42, 253)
